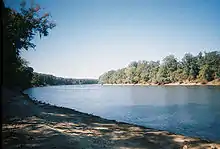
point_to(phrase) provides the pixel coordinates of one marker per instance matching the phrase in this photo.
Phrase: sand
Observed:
(31, 124)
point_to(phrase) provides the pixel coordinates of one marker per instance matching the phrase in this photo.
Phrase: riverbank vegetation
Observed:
(40, 79)
(202, 68)
(19, 28)
(31, 124)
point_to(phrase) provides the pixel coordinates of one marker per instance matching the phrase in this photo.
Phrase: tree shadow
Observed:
(38, 125)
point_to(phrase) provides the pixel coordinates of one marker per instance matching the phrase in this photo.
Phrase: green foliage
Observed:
(22, 26)
(40, 79)
(19, 29)
(190, 66)
(170, 63)
(203, 67)
(205, 73)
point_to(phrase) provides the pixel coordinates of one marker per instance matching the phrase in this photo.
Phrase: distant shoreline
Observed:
(169, 84)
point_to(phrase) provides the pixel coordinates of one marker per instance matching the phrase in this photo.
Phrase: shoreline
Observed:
(31, 120)
(168, 84)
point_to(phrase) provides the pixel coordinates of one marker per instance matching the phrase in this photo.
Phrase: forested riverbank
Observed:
(32, 124)
(211, 83)
(203, 68)
(40, 79)
(19, 28)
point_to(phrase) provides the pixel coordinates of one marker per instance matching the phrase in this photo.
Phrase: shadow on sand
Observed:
(31, 124)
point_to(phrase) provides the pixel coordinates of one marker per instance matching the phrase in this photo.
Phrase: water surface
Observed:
(191, 111)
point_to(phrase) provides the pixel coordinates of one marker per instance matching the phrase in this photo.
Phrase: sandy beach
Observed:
(32, 124)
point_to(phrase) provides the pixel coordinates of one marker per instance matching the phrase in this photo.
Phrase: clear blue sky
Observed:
(94, 36)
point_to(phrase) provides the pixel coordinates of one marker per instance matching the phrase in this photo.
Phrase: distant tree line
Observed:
(19, 27)
(40, 79)
(201, 68)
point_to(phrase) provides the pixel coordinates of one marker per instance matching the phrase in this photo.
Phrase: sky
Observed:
(95, 36)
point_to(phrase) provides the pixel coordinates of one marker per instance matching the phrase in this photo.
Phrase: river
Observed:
(189, 110)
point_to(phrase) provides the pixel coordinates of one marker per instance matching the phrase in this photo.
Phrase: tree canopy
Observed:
(40, 79)
(19, 29)
(202, 68)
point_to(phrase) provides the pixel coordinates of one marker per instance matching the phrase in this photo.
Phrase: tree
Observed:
(131, 73)
(170, 63)
(190, 66)
(203, 67)
(212, 59)
(19, 28)
(163, 75)
(205, 74)
(40, 79)
(167, 68)
(153, 68)
(133, 64)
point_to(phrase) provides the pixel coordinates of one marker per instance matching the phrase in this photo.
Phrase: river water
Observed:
(188, 110)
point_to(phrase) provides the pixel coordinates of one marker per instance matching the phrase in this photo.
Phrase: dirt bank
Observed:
(30, 124)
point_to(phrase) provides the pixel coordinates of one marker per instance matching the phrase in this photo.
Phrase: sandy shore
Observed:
(31, 124)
